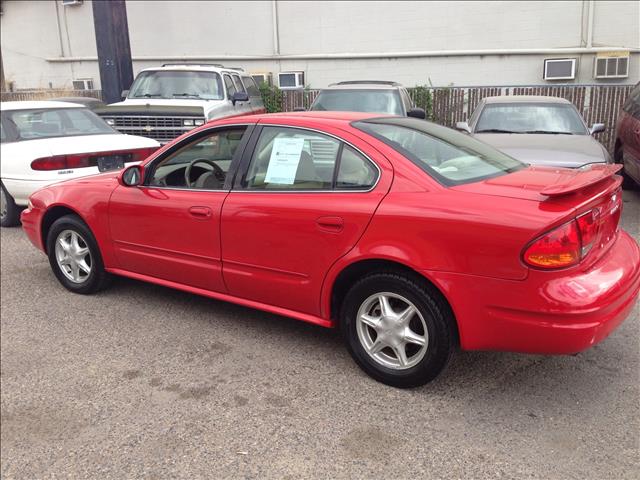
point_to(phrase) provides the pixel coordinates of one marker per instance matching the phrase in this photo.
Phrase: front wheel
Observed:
(74, 256)
(398, 330)
(9, 211)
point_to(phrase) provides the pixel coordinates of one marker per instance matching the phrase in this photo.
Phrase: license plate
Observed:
(110, 163)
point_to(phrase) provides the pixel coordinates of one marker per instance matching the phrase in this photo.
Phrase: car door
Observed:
(169, 227)
(301, 201)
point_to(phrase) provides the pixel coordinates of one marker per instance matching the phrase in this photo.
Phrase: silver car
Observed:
(537, 130)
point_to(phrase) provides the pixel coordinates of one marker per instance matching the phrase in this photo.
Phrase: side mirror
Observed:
(463, 127)
(132, 176)
(417, 113)
(299, 109)
(240, 97)
(124, 94)
(596, 128)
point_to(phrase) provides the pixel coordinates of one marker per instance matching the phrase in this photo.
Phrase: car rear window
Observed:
(452, 158)
(60, 122)
(370, 100)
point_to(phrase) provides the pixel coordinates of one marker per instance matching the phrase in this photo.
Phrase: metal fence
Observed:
(448, 105)
(48, 94)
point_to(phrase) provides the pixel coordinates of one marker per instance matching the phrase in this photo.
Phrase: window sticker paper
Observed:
(285, 157)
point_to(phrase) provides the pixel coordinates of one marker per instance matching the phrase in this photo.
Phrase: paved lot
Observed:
(145, 381)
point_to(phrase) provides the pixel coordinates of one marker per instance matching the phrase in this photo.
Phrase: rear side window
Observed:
(452, 158)
(238, 83)
(354, 171)
(297, 159)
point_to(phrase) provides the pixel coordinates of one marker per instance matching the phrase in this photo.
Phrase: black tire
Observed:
(11, 217)
(439, 320)
(98, 278)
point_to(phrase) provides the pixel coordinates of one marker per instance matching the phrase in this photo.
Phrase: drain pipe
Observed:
(59, 30)
(276, 31)
(592, 7)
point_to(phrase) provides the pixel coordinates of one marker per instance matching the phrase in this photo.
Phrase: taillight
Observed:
(588, 224)
(81, 160)
(568, 244)
(50, 163)
(559, 248)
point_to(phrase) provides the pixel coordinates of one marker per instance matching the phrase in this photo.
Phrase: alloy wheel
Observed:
(392, 331)
(73, 256)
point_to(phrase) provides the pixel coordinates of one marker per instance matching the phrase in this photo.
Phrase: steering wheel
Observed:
(217, 171)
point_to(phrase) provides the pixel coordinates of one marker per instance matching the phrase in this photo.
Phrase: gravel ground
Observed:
(143, 381)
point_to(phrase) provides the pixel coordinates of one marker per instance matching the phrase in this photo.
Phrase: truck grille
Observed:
(162, 129)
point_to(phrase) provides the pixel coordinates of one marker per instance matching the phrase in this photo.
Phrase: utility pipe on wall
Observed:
(276, 29)
(348, 56)
(592, 7)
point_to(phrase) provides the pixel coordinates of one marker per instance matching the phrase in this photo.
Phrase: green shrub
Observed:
(272, 97)
(423, 98)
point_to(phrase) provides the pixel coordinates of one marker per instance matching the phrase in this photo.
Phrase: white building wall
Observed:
(37, 53)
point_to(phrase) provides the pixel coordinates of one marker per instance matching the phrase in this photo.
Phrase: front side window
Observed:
(177, 84)
(231, 88)
(530, 118)
(61, 122)
(351, 100)
(297, 159)
(202, 164)
(450, 157)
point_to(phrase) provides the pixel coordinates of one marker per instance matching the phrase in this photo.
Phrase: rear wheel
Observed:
(9, 211)
(398, 330)
(74, 256)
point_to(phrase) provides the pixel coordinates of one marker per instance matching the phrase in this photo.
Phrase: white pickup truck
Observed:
(165, 102)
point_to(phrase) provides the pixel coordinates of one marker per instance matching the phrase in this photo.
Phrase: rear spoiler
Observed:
(574, 180)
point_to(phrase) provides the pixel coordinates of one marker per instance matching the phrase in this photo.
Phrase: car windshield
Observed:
(177, 84)
(530, 118)
(55, 122)
(374, 101)
(450, 157)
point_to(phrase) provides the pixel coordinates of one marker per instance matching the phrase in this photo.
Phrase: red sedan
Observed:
(411, 237)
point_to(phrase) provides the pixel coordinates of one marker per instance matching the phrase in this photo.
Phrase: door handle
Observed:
(330, 224)
(202, 213)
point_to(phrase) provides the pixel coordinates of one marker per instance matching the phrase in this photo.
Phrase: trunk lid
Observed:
(566, 194)
(543, 183)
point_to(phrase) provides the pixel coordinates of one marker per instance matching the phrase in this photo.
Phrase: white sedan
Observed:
(47, 142)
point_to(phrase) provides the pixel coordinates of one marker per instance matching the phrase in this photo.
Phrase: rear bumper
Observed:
(550, 313)
(20, 190)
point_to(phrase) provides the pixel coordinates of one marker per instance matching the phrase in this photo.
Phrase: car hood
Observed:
(570, 151)
(164, 106)
(88, 144)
